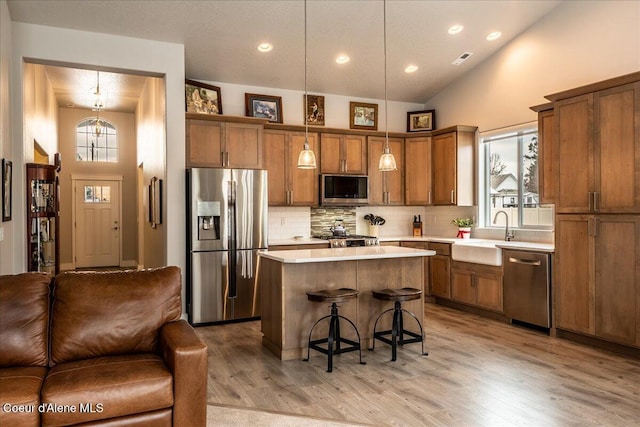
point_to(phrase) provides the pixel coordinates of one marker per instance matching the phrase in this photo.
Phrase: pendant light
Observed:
(98, 104)
(387, 161)
(306, 158)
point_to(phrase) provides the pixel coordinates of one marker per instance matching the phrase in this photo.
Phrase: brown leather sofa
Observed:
(105, 349)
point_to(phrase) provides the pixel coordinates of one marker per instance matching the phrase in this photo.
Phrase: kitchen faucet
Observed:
(508, 235)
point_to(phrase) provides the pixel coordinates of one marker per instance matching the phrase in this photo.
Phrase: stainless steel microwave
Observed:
(344, 190)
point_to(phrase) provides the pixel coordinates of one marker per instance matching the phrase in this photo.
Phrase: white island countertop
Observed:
(302, 256)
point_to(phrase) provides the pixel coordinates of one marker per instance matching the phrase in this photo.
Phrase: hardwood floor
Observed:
(479, 372)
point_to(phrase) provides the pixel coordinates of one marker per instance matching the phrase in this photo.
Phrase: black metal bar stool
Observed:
(334, 296)
(397, 330)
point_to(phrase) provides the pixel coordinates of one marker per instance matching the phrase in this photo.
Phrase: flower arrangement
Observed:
(462, 222)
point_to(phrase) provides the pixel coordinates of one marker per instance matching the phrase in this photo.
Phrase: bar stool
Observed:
(397, 330)
(334, 296)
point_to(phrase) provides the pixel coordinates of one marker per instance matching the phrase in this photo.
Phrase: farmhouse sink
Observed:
(478, 251)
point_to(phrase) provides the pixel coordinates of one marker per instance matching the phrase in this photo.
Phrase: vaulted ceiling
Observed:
(221, 39)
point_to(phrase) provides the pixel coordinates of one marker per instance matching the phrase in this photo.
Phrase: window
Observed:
(97, 194)
(509, 177)
(92, 148)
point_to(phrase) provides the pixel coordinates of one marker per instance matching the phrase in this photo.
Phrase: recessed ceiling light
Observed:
(343, 59)
(265, 47)
(411, 68)
(455, 29)
(494, 35)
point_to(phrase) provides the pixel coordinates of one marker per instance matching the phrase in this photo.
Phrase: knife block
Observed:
(417, 229)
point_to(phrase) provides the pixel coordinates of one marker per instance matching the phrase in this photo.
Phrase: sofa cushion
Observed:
(20, 390)
(114, 386)
(24, 319)
(161, 418)
(108, 313)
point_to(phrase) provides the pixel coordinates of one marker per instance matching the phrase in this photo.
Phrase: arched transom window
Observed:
(92, 146)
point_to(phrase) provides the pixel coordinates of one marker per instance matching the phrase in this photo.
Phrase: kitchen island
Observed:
(286, 276)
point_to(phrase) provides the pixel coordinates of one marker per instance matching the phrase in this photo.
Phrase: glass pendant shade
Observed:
(306, 158)
(387, 161)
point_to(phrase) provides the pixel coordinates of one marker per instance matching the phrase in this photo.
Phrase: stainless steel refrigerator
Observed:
(226, 227)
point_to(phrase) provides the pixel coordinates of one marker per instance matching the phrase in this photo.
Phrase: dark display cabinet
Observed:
(43, 246)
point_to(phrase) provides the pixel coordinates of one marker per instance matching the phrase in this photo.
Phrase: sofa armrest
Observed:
(186, 356)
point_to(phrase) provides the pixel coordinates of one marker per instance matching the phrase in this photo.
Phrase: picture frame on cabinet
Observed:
(314, 109)
(7, 173)
(420, 121)
(363, 116)
(264, 107)
(202, 98)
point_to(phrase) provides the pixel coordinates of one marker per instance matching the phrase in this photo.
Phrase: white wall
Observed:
(7, 252)
(336, 106)
(120, 54)
(578, 43)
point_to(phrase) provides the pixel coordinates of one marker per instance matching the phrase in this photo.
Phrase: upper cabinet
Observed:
(211, 142)
(547, 160)
(289, 185)
(385, 188)
(452, 156)
(343, 153)
(597, 142)
(417, 179)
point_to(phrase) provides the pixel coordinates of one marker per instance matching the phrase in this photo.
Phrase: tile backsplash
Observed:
(287, 222)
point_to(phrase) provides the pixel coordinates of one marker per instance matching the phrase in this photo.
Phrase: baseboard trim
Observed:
(599, 343)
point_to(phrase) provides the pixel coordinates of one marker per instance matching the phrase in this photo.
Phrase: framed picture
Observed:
(264, 106)
(418, 121)
(363, 116)
(155, 202)
(202, 98)
(314, 109)
(7, 170)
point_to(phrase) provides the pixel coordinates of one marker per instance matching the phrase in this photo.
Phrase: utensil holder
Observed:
(417, 229)
(374, 230)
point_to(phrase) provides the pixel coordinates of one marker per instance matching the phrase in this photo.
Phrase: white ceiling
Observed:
(221, 38)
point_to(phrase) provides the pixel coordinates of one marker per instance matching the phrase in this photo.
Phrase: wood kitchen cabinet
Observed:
(385, 188)
(421, 245)
(417, 180)
(343, 153)
(547, 158)
(288, 185)
(440, 269)
(597, 276)
(477, 284)
(453, 160)
(212, 142)
(598, 146)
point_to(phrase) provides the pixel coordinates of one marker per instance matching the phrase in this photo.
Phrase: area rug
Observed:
(231, 416)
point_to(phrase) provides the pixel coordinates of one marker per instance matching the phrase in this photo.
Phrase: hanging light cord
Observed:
(384, 34)
(306, 95)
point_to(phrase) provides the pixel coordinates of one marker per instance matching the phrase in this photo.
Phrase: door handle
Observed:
(115, 228)
(453, 197)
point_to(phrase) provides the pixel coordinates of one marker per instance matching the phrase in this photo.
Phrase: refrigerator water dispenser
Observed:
(208, 220)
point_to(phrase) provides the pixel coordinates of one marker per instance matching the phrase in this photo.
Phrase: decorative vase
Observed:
(464, 232)
(374, 230)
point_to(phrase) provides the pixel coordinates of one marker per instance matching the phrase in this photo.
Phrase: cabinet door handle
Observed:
(344, 168)
(596, 201)
(429, 201)
(291, 197)
(590, 208)
(453, 197)
(596, 226)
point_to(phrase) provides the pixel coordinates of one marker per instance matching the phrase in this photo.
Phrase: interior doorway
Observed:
(97, 225)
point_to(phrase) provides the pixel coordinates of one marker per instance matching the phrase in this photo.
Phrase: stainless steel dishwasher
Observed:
(527, 287)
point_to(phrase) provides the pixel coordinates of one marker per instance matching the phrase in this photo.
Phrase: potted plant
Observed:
(464, 227)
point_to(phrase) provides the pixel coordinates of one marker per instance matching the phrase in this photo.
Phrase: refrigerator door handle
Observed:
(233, 289)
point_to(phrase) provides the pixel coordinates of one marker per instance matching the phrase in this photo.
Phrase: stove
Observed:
(349, 241)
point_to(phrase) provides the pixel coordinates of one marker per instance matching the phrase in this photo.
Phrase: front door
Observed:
(97, 227)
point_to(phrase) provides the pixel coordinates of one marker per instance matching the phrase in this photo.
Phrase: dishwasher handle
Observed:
(525, 261)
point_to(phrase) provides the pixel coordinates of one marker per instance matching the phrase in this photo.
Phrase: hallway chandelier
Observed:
(306, 158)
(387, 161)
(98, 104)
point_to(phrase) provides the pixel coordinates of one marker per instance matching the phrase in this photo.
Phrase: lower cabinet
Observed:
(440, 270)
(597, 276)
(477, 284)
(425, 269)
